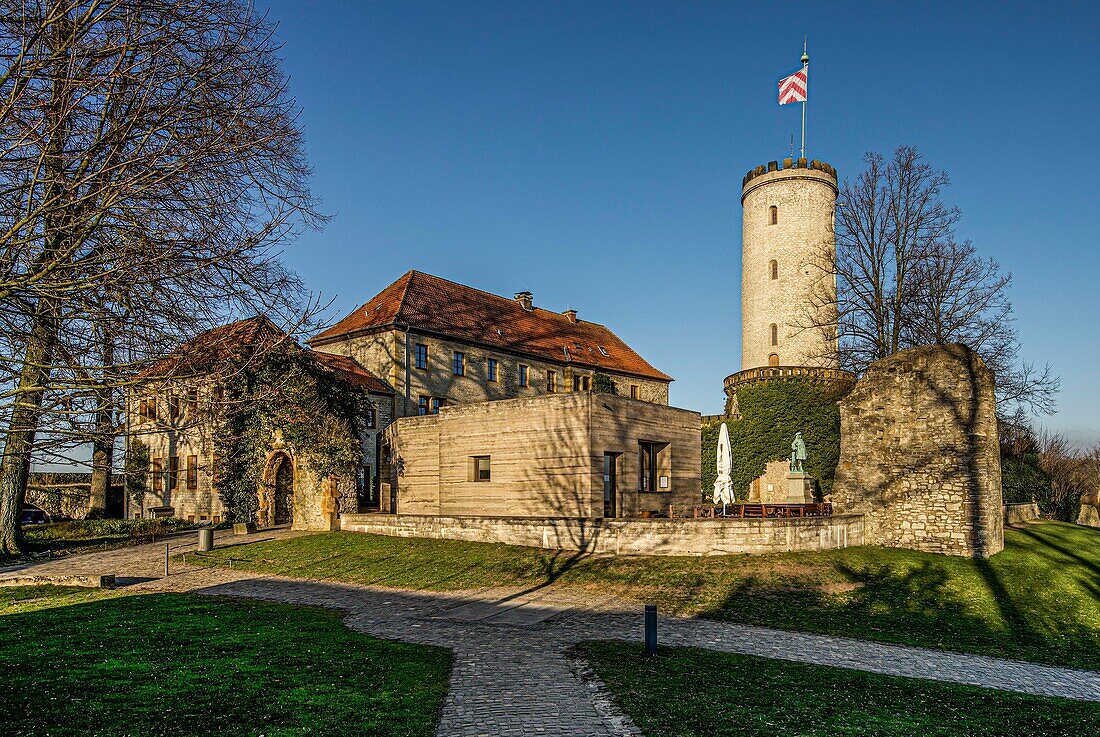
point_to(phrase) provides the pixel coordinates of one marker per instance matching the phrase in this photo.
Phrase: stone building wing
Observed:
(431, 304)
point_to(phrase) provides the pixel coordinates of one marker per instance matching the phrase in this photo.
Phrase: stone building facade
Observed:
(176, 408)
(788, 216)
(920, 455)
(440, 343)
(575, 455)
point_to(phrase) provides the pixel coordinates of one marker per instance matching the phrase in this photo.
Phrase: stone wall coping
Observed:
(703, 522)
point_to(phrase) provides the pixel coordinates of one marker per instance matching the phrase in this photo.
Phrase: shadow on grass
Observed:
(1019, 604)
(182, 664)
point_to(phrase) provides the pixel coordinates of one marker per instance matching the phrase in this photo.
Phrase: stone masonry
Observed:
(804, 197)
(919, 454)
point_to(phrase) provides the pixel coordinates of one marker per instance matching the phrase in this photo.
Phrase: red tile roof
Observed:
(431, 304)
(236, 341)
(239, 341)
(351, 372)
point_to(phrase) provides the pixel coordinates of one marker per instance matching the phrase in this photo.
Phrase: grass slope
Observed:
(77, 662)
(1038, 600)
(685, 692)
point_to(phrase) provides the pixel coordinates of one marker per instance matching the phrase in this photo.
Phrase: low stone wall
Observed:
(626, 536)
(1018, 513)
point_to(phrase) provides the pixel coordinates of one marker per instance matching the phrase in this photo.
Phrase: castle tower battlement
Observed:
(787, 219)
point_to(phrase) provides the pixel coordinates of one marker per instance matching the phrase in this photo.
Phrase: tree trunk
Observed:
(19, 439)
(103, 441)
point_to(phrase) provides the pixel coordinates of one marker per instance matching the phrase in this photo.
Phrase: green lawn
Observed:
(89, 535)
(1037, 600)
(685, 692)
(83, 662)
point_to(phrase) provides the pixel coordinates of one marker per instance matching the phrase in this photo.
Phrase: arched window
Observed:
(774, 269)
(773, 215)
(773, 359)
(775, 334)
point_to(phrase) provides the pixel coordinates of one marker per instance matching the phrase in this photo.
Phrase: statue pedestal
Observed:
(799, 488)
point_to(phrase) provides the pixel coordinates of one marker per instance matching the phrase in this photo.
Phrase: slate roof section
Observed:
(442, 307)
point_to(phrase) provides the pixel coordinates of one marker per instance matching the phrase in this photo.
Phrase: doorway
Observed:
(610, 485)
(284, 491)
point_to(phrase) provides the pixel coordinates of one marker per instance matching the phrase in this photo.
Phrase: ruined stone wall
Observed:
(919, 453)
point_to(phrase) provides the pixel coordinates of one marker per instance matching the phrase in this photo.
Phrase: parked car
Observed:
(33, 515)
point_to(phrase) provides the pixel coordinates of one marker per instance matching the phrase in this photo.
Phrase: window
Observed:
(192, 402)
(551, 381)
(480, 468)
(582, 383)
(143, 411)
(647, 466)
(773, 215)
(635, 391)
(774, 267)
(421, 356)
(152, 413)
(192, 472)
(602, 350)
(775, 334)
(429, 405)
(491, 369)
(773, 359)
(156, 471)
(372, 417)
(522, 375)
(173, 472)
(173, 407)
(460, 363)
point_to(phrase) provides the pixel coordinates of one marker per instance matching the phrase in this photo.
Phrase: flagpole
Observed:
(805, 68)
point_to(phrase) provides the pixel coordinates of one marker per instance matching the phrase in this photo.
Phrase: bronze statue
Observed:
(798, 453)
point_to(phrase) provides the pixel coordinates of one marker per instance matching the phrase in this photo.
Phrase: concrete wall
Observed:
(627, 536)
(384, 354)
(805, 199)
(919, 453)
(546, 456)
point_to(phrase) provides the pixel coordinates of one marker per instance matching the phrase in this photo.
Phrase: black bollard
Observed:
(650, 629)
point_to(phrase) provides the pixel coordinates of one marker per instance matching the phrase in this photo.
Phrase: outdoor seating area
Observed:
(762, 511)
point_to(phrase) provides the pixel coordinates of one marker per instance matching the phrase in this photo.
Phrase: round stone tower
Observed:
(788, 212)
(787, 218)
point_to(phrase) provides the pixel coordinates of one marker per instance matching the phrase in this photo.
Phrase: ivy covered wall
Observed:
(771, 412)
(290, 399)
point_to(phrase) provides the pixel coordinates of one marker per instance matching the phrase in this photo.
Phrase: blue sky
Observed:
(592, 153)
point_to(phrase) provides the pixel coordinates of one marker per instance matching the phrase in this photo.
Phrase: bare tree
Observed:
(903, 280)
(150, 164)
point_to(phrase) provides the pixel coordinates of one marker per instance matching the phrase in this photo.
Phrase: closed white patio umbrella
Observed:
(723, 484)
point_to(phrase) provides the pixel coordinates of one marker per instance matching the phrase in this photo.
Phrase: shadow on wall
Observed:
(973, 446)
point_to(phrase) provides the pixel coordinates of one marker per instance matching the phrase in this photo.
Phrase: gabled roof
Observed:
(239, 341)
(234, 342)
(435, 305)
(351, 372)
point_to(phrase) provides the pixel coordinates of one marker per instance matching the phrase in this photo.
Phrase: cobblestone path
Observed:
(513, 675)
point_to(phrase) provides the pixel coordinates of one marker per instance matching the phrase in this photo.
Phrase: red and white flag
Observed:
(793, 88)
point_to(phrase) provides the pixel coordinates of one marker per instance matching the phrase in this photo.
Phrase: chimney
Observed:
(525, 299)
(572, 315)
